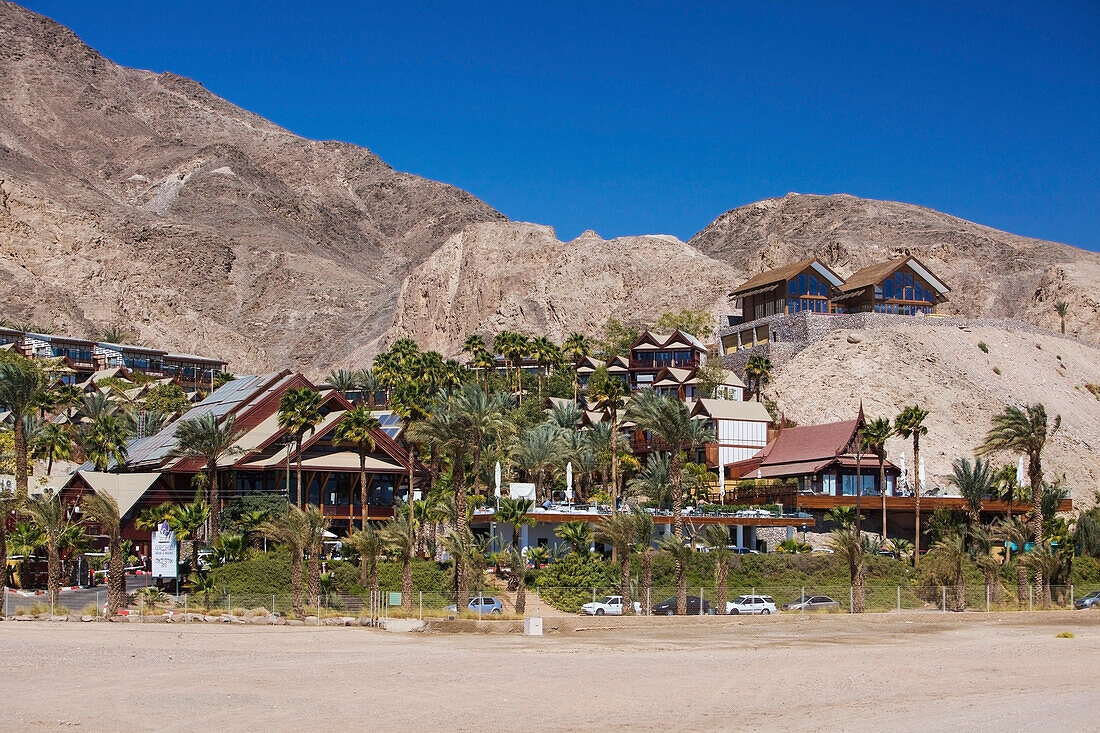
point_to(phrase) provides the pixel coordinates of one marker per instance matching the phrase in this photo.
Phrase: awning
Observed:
(785, 470)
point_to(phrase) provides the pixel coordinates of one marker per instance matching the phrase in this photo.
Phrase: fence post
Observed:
(186, 614)
(593, 595)
(1071, 598)
(1030, 598)
(943, 595)
(6, 600)
(648, 601)
(141, 610)
(421, 605)
(537, 607)
(700, 601)
(899, 599)
(987, 599)
(229, 603)
(802, 601)
(51, 605)
(97, 606)
(851, 599)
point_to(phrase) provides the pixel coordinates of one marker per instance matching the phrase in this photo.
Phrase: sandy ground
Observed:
(884, 672)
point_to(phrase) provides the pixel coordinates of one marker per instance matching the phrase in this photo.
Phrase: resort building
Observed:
(653, 352)
(808, 285)
(740, 429)
(899, 287)
(265, 459)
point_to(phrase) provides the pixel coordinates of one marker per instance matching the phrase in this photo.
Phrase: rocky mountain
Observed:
(990, 272)
(143, 199)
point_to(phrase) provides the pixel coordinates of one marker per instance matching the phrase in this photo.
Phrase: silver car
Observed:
(813, 603)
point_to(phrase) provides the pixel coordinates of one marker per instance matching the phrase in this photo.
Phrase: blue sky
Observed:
(632, 118)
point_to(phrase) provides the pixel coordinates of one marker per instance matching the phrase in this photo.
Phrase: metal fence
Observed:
(371, 609)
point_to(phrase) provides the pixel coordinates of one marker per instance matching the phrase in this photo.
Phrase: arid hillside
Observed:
(143, 199)
(991, 273)
(942, 368)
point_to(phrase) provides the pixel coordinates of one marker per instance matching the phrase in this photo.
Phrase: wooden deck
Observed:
(697, 519)
(813, 502)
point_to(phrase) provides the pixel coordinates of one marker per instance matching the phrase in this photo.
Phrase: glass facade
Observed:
(905, 295)
(75, 354)
(658, 359)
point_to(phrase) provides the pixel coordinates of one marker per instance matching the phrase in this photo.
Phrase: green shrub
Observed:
(264, 574)
(567, 583)
(997, 371)
(984, 347)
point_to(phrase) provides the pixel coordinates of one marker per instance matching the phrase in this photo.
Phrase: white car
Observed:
(608, 606)
(762, 605)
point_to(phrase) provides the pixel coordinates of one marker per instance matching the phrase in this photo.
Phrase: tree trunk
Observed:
(723, 569)
(647, 580)
(53, 581)
(681, 588)
(1021, 578)
(859, 494)
(116, 577)
(614, 463)
(624, 584)
(364, 497)
(858, 591)
(296, 561)
(521, 589)
(49, 462)
(960, 589)
(1035, 473)
(3, 547)
(407, 583)
(313, 579)
(882, 490)
(916, 499)
(215, 504)
(298, 450)
(21, 467)
(675, 479)
(458, 472)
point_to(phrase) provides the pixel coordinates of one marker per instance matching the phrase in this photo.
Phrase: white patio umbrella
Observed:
(569, 482)
(904, 475)
(1020, 472)
(497, 475)
(722, 483)
(922, 486)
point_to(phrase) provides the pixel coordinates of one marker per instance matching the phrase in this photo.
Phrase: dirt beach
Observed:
(882, 672)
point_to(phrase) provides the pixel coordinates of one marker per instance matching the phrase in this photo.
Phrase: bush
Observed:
(984, 347)
(567, 584)
(264, 574)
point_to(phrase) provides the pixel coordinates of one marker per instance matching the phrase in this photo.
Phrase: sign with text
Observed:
(165, 551)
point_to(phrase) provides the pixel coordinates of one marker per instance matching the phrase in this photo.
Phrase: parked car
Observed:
(608, 606)
(812, 603)
(762, 605)
(483, 605)
(1092, 600)
(667, 607)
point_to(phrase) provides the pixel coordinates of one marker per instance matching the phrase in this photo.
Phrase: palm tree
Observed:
(53, 441)
(983, 543)
(672, 428)
(366, 384)
(343, 381)
(716, 539)
(67, 397)
(875, 435)
(466, 554)
(317, 525)
(681, 555)
(223, 378)
(566, 416)
(1061, 308)
(517, 563)
(484, 364)
(96, 404)
(537, 451)
(105, 440)
(1017, 531)
(608, 394)
(204, 438)
(299, 413)
(910, 424)
(398, 536)
(369, 544)
(293, 530)
(952, 553)
(20, 384)
(1024, 430)
(188, 521)
(653, 480)
(249, 524)
(758, 370)
(473, 344)
(854, 548)
(546, 353)
(1046, 563)
(103, 510)
(1004, 483)
(845, 516)
(578, 535)
(643, 544)
(356, 429)
(901, 548)
(514, 512)
(974, 482)
(52, 518)
(576, 347)
(618, 531)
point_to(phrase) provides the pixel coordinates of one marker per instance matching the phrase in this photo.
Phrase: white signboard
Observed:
(164, 552)
(521, 491)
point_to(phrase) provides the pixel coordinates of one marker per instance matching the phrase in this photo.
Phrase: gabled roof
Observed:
(810, 443)
(125, 488)
(770, 278)
(750, 411)
(874, 274)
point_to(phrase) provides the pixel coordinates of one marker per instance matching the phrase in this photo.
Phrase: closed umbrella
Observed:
(922, 486)
(497, 475)
(569, 482)
(904, 475)
(1020, 472)
(722, 483)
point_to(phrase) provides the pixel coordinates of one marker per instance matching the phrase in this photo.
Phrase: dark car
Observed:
(1092, 600)
(667, 607)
